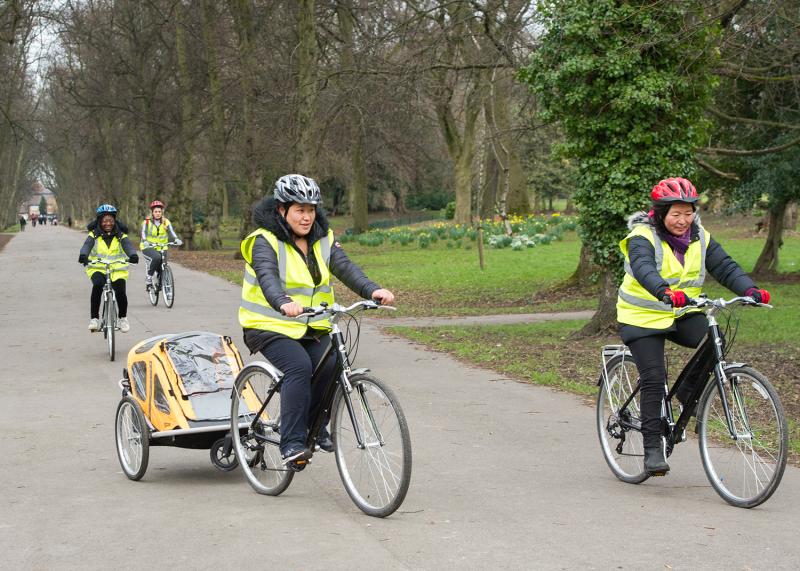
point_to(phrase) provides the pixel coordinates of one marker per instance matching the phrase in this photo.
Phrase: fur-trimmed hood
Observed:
(266, 215)
(118, 230)
(643, 217)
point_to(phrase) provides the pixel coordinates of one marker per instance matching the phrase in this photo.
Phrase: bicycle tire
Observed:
(168, 287)
(111, 326)
(264, 468)
(745, 472)
(623, 449)
(133, 438)
(152, 291)
(382, 488)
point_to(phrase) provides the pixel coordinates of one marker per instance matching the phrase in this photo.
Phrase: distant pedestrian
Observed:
(22, 223)
(69, 221)
(33, 220)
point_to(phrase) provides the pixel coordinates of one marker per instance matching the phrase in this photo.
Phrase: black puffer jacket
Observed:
(265, 264)
(117, 231)
(642, 256)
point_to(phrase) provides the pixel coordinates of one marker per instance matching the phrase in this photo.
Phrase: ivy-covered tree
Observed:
(628, 81)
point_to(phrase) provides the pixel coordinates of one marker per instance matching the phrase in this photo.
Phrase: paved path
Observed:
(506, 475)
(503, 319)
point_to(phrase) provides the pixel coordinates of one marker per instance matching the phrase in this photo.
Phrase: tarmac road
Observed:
(506, 475)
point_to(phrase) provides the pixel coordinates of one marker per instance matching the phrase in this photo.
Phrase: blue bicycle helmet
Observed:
(106, 209)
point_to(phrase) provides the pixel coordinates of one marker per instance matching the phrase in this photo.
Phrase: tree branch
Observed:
(746, 153)
(716, 171)
(752, 121)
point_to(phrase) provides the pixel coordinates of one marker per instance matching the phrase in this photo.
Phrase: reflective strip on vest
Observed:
(251, 279)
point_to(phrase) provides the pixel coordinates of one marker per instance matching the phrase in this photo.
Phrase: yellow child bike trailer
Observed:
(176, 391)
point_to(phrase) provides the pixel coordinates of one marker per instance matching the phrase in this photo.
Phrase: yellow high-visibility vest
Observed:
(156, 233)
(636, 306)
(255, 312)
(109, 254)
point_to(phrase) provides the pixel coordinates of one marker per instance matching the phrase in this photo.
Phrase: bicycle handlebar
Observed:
(336, 308)
(99, 264)
(157, 246)
(722, 302)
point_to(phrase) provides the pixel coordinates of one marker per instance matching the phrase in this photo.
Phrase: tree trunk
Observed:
(184, 175)
(305, 157)
(605, 318)
(790, 218)
(243, 19)
(217, 139)
(358, 178)
(584, 273)
(499, 118)
(767, 262)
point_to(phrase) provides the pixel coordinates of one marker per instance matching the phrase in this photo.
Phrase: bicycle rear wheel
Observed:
(258, 435)
(619, 431)
(168, 287)
(377, 474)
(746, 471)
(133, 439)
(110, 316)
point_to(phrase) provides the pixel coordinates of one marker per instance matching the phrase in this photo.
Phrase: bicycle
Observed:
(370, 434)
(163, 281)
(108, 313)
(740, 423)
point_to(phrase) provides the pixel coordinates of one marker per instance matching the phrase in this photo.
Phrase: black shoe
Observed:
(325, 443)
(296, 459)
(655, 463)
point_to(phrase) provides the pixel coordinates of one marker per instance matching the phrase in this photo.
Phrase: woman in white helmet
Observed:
(289, 261)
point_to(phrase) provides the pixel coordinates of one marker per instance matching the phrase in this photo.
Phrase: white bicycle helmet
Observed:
(297, 188)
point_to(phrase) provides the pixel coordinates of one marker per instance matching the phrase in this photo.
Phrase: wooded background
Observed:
(497, 105)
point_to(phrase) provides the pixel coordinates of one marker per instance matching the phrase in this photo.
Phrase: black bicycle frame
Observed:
(708, 359)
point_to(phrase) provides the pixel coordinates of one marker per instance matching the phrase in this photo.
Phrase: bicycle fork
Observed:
(721, 379)
(347, 390)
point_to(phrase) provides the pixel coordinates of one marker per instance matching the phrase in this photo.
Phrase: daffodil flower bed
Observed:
(528, 231)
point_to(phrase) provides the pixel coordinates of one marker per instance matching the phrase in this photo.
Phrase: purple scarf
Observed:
(679, 244)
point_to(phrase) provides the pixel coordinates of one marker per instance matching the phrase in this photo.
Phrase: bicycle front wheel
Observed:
(376, 472)
(258, 438)
(168, 287)
(620, 430)
(152, 290)
(746, 470)
(111, 326)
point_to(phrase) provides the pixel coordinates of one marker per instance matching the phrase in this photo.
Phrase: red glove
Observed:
(677, 298)
(760, 295)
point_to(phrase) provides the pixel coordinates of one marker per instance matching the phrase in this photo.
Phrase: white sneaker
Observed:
(148, 280)
(94, 325)
(124, 326)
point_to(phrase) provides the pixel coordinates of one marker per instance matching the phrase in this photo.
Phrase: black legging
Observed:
(648, 353)
(297, 359)
(98, 281)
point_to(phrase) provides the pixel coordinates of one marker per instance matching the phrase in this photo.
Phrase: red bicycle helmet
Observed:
(156, 203)
(674, 190)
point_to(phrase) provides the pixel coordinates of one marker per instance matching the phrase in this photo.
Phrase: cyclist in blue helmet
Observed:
(108, 241)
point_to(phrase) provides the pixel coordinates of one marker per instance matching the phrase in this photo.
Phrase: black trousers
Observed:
(299, 400)
(98, 281)
(648, 354)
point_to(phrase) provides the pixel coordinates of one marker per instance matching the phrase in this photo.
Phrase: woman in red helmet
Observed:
(157, 231)
(667, 255)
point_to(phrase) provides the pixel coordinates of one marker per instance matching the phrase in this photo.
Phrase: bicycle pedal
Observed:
(659, 473)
